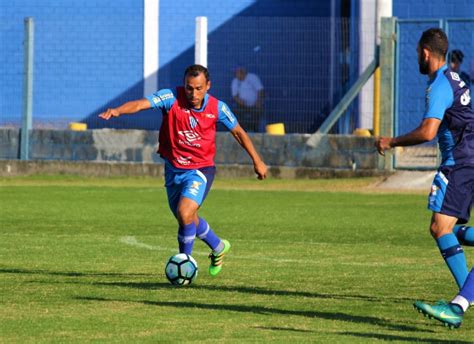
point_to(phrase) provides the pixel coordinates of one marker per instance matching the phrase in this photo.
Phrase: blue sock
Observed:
(464, 234)
(186, 236)
(467, 291)
(206, 234)
(454, 257)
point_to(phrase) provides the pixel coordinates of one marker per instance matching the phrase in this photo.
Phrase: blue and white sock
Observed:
(454, 257)
(465, 298)
(186, 236)
(465, 234)
(206, 234)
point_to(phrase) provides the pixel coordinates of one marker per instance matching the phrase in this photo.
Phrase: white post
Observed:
(28, 59)
(384, 9)
(200, 50)
(150, 46)
(367, 25)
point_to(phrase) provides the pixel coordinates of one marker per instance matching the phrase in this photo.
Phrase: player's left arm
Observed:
(425, 132)
(244, 140)
(227, 118)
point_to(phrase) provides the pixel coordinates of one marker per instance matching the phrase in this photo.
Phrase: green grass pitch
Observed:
(329, 261)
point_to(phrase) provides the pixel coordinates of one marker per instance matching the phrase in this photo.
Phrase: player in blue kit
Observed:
(448, 116)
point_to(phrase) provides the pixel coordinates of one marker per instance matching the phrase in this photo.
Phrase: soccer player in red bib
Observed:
(187, 145)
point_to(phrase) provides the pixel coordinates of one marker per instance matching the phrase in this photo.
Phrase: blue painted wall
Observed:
(447, 14)
(433, 9)
(177, 26)
(86, 53)
(89, 54)
(278, 40)
(236, 29)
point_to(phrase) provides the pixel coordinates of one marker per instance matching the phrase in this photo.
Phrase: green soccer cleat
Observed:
(216, 259)
(442, 311)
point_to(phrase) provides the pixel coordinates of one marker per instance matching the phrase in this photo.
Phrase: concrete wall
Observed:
(106, 145)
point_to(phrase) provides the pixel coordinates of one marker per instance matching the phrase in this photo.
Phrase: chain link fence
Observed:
(80, 65)
(306, 64)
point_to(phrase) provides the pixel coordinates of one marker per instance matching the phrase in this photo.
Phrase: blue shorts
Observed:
(452, 192)
(193, 184)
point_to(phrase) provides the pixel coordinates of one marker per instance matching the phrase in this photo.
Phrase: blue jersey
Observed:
(448, 99)
(164, 99)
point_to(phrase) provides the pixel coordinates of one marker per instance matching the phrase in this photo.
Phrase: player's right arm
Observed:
(126, 108)
(162, 99)
(425, 132)
(439, 98)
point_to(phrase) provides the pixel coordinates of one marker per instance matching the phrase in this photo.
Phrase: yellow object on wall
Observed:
(77, 126)
(362, 132)
(275, 129)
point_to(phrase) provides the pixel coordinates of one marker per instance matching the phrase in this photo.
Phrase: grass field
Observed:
(330, 261)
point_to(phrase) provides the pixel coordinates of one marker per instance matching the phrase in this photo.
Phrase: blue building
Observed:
(90, 54)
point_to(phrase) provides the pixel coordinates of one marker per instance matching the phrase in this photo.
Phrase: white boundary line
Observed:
(132, 241)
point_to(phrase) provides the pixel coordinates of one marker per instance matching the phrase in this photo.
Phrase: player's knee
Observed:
(433, 231)
(186, 215)
(437, 230)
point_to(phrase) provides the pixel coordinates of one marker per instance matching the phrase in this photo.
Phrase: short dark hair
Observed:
(435, 40)
(195, 69)
(456, 56)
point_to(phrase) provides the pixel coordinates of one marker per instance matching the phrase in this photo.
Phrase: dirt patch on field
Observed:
(404, 182)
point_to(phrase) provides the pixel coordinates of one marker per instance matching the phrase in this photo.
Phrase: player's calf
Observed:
(465, 234)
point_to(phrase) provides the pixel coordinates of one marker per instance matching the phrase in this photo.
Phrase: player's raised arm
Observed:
(244, 140)
(126, 108)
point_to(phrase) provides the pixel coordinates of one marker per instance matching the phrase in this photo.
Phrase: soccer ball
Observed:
(181, 269)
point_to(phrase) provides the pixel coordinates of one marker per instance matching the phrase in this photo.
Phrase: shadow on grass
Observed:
(67, 273)
(254, 290)
(223, 288)
(220, 288)
(389, 337)
(273, 328)
(268, 311)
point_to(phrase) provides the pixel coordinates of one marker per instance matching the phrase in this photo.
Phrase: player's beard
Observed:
(195, 103)
(423, 64)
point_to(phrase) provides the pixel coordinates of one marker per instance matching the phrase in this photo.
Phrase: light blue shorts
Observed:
(192, 184)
